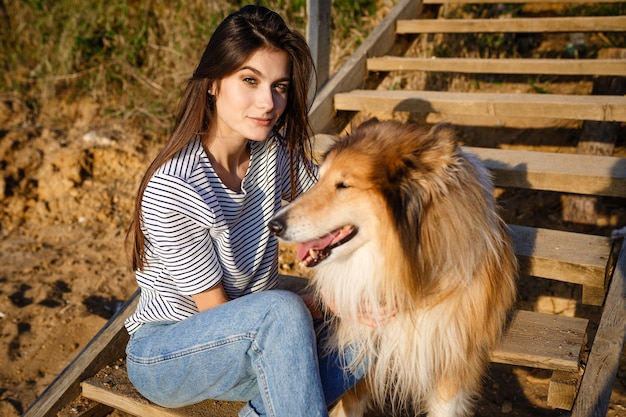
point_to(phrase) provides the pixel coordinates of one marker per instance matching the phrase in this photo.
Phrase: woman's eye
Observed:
(249, 80)
(281, 87)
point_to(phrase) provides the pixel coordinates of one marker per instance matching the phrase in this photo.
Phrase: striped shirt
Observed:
(198, 232)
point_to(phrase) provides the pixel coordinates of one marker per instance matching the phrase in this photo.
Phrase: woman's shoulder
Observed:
(185, 162)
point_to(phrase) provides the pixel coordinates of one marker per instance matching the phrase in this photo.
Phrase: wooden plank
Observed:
(544, 341)
(105, 347)
(500, 66)
(569, 173)
(566, 256)
(132, 405)
(352, 73)
(556, 106)
(514, 25)
(116, 390)
(595, 389)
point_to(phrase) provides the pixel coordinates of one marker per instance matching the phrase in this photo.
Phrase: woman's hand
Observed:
(373, 317)
(376, 317)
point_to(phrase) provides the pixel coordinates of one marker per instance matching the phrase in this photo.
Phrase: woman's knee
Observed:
(288, 304)
(285, 312)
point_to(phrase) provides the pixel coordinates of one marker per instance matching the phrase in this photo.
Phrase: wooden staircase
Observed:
(583, 364)
(605, 108)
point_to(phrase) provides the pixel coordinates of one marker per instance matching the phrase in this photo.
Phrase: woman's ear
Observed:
(213, 88)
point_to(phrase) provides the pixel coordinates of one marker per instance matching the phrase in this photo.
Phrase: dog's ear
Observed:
(368, 123)
(445, 138)
(439, 147)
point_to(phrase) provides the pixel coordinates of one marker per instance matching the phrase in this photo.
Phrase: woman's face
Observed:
(250, 101)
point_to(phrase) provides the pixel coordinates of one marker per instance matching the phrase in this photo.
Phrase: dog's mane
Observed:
(435, 193)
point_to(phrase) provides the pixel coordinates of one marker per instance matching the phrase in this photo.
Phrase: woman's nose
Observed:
(265, 98)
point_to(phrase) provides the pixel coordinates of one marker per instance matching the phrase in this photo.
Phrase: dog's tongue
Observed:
(322, 242)
(317, 244)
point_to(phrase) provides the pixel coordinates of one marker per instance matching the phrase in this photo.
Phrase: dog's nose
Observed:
(276, 226)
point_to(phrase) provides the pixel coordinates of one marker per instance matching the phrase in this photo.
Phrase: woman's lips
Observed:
(262, 121)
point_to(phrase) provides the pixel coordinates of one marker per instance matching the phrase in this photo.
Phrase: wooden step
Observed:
(112, 387)
(540, 340)
(565, 256)
(514, 25)
(596, 67)
(555, 106)
(568, 173)
(532, 339)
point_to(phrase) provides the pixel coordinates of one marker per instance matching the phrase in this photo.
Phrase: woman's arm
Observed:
(210, 298)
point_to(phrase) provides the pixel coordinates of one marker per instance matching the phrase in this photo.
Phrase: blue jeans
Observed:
(260, 348)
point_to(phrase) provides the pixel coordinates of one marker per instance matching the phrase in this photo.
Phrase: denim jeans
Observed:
(260, 348)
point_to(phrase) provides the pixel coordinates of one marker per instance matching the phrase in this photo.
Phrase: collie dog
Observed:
(402, 224)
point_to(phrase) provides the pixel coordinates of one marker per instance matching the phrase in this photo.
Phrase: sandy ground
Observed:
(66, 191)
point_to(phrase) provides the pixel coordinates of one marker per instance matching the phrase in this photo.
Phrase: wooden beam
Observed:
(501, 66)
(597, 384)
(556, 106)
(117, 391)
(318, 37)
(511, 25)
(353, 72)
(105, 347)
(562, 389)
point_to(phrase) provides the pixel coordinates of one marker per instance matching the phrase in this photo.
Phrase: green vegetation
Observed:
(131, 57)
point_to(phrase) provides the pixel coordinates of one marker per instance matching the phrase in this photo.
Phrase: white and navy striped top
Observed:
(198, 232)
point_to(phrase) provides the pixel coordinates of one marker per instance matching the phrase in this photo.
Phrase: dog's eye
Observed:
(342, 185)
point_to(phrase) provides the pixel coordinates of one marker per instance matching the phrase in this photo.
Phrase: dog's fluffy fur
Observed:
(403, 220)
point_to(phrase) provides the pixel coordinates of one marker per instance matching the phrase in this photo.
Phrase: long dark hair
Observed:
(240, 35)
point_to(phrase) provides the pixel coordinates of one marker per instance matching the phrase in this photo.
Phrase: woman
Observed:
(206, 326)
